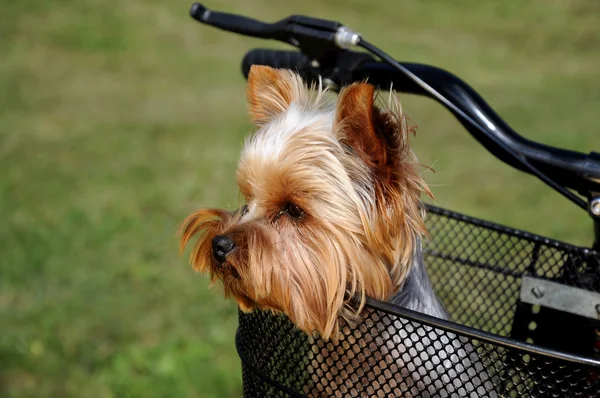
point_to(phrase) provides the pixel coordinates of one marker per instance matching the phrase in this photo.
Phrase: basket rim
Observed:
(478, 334)
(458, 329)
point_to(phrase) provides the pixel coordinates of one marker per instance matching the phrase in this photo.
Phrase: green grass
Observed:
(118, 118)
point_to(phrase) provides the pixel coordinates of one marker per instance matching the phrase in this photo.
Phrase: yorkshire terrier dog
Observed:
(332, 215)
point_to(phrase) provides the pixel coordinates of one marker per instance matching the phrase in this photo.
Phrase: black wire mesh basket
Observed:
(522, 325)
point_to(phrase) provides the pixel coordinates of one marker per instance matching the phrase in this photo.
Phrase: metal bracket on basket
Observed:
(560, 297)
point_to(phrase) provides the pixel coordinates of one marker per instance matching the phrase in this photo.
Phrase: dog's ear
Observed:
(378, 136)
(271, 91)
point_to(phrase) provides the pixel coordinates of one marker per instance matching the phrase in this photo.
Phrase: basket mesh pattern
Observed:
(476, 269)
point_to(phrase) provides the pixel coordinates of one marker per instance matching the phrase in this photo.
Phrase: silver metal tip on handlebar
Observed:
(594, 206)
(346, 37)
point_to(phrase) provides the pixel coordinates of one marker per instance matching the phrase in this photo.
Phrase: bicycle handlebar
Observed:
(323, 45)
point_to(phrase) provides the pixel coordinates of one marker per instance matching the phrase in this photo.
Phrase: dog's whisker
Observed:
(430, 167)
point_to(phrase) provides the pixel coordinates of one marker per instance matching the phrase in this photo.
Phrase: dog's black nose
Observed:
(221, 246)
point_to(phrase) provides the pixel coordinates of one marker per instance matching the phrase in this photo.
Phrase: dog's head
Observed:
(332, 205)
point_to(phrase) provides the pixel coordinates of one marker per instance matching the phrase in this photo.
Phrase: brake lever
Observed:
(318, 38)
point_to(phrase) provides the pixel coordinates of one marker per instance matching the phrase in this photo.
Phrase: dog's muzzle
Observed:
(222, 245)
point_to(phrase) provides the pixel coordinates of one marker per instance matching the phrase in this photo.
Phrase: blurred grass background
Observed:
(118, 118)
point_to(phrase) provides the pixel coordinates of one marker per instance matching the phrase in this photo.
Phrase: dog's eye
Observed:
(244, 210)
(293, 210)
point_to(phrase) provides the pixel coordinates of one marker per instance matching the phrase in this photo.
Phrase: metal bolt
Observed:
(346, 37)
(595, 206)
(538, 292)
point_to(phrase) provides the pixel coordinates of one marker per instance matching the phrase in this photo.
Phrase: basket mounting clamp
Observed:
(570, 299)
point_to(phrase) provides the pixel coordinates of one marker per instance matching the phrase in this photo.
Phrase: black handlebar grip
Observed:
(294, 60)
(231, 22)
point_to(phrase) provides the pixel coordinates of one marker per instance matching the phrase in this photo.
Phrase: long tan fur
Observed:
(349, 168)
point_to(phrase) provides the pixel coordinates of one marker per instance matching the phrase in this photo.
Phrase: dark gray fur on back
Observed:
(417, 293)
